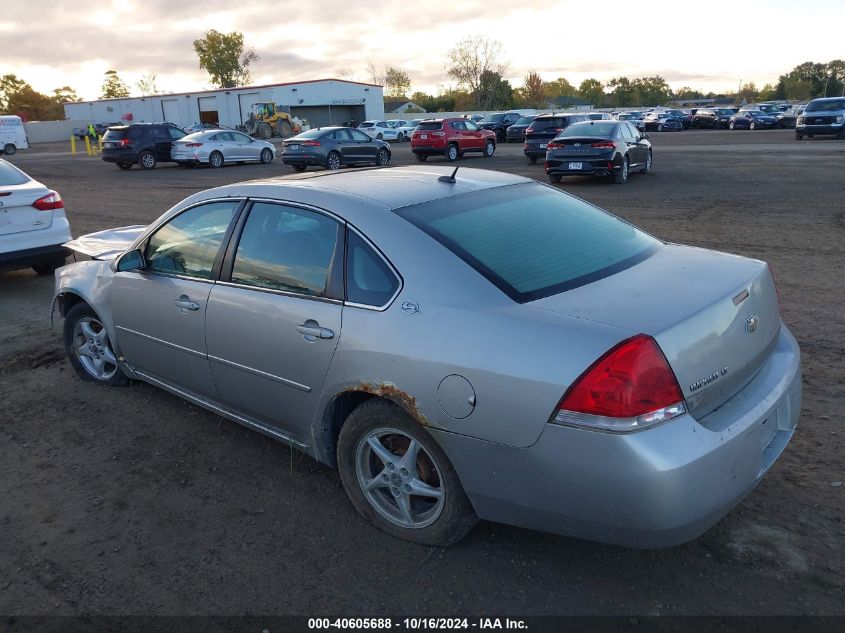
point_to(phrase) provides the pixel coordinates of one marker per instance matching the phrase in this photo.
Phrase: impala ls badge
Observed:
(698, 384)
(751, 324)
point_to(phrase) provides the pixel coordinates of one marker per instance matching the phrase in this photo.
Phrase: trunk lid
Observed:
(16, 211)
(579, 147)
(714, 315)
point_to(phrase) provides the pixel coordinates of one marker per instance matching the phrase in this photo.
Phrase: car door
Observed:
(248, 148)
(474, 135)
(274, 320)
(159, 311)
(162, 141)
(349, 149)
(365, 147)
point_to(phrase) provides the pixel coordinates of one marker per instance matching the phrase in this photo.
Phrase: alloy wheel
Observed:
(399, 478)
(93, 349)
(333, 161)
(148, 161)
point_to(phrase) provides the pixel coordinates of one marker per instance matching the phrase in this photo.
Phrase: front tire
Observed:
(88, 347)
(732, 125)
(752, 126)
(648, 160)
(799, 137)
(147, 160)
(382, 158)
(399, 479)
(266, 156)
(452, 153)
(489, 149)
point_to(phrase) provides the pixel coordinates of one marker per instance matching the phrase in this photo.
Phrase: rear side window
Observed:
(10, 175)
(369, 280)
(285, 248)
(115, 135)
(532, 241)
(429, 126)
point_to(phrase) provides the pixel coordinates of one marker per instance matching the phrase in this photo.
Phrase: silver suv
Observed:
(822, 116)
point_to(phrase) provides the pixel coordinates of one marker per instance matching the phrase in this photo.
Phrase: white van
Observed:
(12, 135)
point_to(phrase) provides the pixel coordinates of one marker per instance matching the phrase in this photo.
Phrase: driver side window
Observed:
(188, 244)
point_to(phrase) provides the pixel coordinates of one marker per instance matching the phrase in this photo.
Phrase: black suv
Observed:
(499, 123)
(543, 129)
(142, 143)
(712, 117)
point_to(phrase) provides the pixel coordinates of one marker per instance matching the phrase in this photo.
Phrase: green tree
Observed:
(224, 57)
(623, 92)
(688, 93)
(747, 92)
(113, 86)
(592, 91)
(494, 92)
(397, 82)
(9, 86)
(767, 93)
(797, 90)
(560, 87)
(654, 91)
(32, 105)
(472, 59)
(65, 94)
(532, 94)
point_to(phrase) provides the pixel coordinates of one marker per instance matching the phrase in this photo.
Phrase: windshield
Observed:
(725, 111)
(530, 240)
(367, 124)
(10, 175)
(434, 125)
(769, 109)
(493, 118)
(825, 106)
(591, 130)
(524, 120)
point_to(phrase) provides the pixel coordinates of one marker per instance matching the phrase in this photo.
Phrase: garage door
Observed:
(170, 110)
(245, 101)
(208, 110)
(318, 116)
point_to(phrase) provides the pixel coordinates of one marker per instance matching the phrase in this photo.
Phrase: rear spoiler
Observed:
(106, 244)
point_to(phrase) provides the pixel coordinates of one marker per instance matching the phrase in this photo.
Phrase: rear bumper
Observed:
(429, 150)
(651, 489)
(604, 166)
(119, 157)
(303, 159)
(31, 256)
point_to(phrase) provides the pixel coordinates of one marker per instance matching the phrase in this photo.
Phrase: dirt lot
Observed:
(131, 501)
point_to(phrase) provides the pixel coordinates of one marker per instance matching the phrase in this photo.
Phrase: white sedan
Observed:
(380, 130)
(405, 128)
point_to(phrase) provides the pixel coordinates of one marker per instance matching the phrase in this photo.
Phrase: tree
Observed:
(653, 90)
(65, 94)
(345, 72)
(767, 93)
(224, 57)
(560, 87)
(397, 82)
(687, 93)
(533, 91)
(9, 86)
(113, 86)
(592, 91)
(494, 92)
(747, 92)
(470, 59)
(31, 105)
(624, 92)
(375, 74)
(147, 84)
(797, 90)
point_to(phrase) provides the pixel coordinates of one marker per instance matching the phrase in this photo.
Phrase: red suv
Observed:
(451, 138)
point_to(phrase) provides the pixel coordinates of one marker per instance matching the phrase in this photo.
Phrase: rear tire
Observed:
(95, 350)
(299, 167)
(125, 165)
(452, 153)
(333, 161)
(660, 127)
(9, 149)
(421, 157)
(532, 160)
(799, 137)
(215, 160)
(434, 521)
(380, 136)
(621, 177)
(48, 268)
(147, 160)
(555, 178)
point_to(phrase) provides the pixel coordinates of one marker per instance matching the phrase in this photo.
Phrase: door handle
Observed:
(311, 330)
(184, 303)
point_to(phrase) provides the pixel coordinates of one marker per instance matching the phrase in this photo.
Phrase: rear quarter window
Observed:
(10, 175)
(530, 240)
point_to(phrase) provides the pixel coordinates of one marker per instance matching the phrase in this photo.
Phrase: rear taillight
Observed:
(629, 388)
(193, 144)
(555, 145)
(124, 142)
(311, 144)
(438, 133)
(604, 145)
(49, 202)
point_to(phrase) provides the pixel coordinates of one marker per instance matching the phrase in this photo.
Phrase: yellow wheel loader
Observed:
(266, 120)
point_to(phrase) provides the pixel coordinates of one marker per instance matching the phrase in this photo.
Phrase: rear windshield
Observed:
(530, 240)
(10, 175)
(725, 111)
(598, 129)
(429, 126)
(524, 120)
(493, 118)
(825, 106)
(541, 124)
(115, 135)
(311, 133)
(367, 124)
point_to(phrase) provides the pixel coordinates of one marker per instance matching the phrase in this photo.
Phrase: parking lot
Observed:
(130, 500)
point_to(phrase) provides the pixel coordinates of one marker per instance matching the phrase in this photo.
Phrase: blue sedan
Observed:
(751, 120)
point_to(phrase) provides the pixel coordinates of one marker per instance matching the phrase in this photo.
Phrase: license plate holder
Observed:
(575, 165)
(423, 136)
(293, 147)
(543, 145)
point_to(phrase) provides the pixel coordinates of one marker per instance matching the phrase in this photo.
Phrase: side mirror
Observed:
(131, 260)
(644, 136)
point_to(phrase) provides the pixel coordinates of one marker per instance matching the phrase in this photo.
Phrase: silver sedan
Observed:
(459, 346)
(219, 147)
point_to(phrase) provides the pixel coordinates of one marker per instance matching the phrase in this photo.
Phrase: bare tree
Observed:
(344, 72)
(375, 73)
(147, 84)
(471, 59)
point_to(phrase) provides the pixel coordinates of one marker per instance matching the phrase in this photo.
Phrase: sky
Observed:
(52, 43)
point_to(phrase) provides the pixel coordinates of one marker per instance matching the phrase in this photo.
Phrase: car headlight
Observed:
(839, 119)
(800, 119)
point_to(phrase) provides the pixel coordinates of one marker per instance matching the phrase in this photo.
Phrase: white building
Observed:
(321, 102)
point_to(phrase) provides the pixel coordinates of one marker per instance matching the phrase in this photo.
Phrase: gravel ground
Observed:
(132, 501)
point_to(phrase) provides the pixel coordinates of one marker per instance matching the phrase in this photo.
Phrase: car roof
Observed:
(390, 188)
